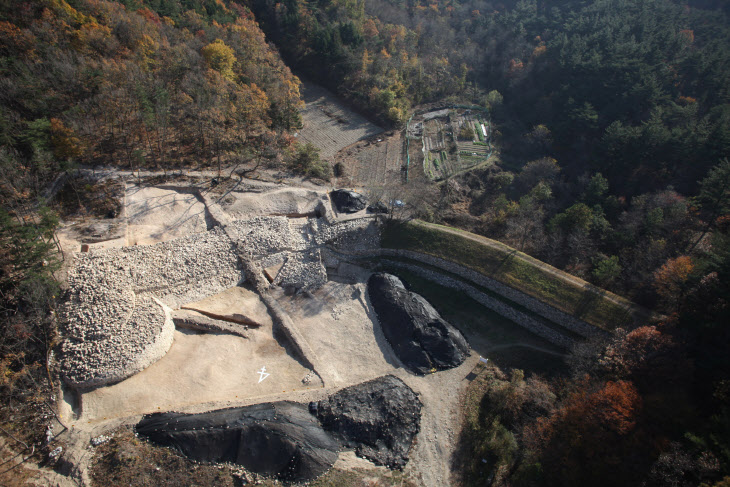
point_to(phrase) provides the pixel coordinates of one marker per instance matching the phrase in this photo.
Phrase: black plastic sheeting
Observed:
(421, 339)
(347, 201)
(379, 419)
(281, 440)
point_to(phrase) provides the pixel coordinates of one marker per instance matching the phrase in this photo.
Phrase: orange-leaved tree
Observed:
(592, 439)
(671, 278)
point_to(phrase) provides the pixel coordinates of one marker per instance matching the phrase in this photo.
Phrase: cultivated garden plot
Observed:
(451, 141)
(328, 125)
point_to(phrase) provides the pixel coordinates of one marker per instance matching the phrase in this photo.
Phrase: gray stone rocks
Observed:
(116, 319)
(119, 349)
(114, 327)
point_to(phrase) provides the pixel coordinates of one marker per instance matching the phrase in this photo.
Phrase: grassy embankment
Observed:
(517, 270)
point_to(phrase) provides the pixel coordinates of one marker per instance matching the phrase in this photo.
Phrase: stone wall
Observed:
(572, 325)
(565, 320)
(496, 305)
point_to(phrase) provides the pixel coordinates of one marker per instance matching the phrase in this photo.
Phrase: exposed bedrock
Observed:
(421, 339)
(379, 418)
(347, 201)
(281, 439)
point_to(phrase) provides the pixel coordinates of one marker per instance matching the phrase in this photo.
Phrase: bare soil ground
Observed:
(340, 326)
(284, 201)
(373, 162)
(158, 214)
(236, 304)
(328, 124)
(204, 368)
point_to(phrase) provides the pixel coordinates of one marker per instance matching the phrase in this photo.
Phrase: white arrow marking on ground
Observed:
(262, 374)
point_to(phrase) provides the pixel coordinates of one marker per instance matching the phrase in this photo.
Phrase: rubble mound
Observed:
(281, 439)
(347, 201)
(379, 418)
(103, 354)
(116, 320)
(421, 339)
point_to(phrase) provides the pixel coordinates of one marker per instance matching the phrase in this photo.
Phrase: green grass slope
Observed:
(493, 259)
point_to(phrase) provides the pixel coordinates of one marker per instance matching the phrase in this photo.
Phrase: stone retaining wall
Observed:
(548, 312)
(560, 318)
(490, 302)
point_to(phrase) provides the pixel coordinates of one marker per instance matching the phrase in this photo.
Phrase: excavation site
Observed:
(265, 326)
(286, 331)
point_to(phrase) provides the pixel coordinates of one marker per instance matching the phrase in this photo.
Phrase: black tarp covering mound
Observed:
(347, 201)
(421, 339)
(379, 418)
(281, 439)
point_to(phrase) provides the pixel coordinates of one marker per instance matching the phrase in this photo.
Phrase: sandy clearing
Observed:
(338, 323)
(201, 368)
(286, 201)
(160, 214)
(236, 304)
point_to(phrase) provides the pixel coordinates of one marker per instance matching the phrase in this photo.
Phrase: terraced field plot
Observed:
(380, 163)
(328, 124)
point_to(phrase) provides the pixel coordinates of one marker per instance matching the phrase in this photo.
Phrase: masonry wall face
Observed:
(560, 318)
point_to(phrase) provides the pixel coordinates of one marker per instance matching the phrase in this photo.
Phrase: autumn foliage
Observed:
(130, 87)
(670, 278)
(586, 440)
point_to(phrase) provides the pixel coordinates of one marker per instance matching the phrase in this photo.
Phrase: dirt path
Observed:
(440, 394)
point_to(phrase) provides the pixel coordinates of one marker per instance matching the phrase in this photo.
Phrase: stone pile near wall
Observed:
(555, 319)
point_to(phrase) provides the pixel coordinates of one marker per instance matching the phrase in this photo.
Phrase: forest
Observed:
(612, 123)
